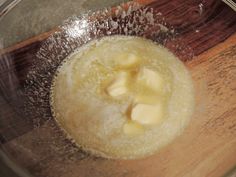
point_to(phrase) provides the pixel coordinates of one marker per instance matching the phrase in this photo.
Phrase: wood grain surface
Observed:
(207, 148)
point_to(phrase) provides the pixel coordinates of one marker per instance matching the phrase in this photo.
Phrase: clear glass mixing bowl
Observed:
(31, 142)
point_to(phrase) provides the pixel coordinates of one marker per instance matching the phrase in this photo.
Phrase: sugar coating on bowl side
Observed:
(122, 97)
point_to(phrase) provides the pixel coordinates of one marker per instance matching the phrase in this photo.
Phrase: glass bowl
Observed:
(37, 36)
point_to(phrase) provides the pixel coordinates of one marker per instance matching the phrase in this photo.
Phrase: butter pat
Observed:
(132, 128)
(126, 61)
(150, 79)
(147, 114)
(119, 86)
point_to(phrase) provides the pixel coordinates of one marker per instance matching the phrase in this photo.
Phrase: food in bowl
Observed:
(122, 97)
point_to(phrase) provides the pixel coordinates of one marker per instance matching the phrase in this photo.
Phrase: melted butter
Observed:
(100, 108)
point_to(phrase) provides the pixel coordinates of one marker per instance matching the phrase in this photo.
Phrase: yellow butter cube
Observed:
(147, 114)
(150, 79)
(119, 85)
(126, 61)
